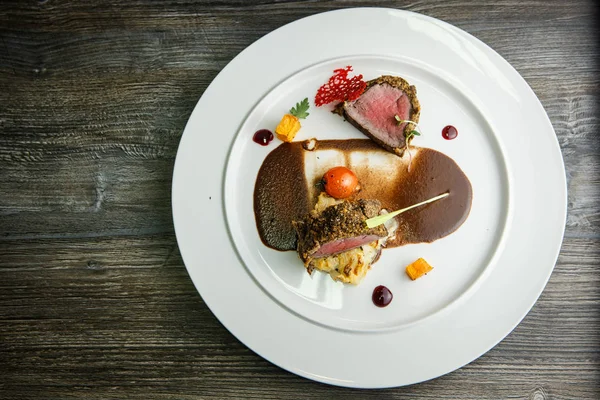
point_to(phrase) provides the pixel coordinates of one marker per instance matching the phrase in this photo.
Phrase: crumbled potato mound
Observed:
(418, 269)
(287, 128)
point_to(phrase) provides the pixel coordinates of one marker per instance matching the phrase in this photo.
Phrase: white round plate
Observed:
(487, 275)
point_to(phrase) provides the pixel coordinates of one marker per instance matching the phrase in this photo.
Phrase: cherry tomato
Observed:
(340, 182)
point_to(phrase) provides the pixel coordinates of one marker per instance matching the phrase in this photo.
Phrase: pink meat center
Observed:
(341, 245)
(375, 111)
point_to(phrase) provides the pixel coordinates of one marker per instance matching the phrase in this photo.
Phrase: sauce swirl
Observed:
(288, 184)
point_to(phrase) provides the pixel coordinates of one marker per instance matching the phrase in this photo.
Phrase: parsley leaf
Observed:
(300, 111)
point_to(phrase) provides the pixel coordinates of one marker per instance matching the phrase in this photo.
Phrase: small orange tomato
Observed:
(340, 182)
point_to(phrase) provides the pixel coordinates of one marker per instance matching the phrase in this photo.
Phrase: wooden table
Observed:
(95, 301)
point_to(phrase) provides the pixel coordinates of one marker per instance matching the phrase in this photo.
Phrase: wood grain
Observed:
(94, 299)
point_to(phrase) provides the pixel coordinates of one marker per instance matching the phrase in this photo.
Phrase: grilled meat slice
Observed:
(374, 111)
(337, 228)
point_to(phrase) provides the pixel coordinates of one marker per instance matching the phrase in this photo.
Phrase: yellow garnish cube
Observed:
(418, 269)
(287, 128)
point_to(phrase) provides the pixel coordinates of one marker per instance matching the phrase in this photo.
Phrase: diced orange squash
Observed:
(287, 128)
(418, 269)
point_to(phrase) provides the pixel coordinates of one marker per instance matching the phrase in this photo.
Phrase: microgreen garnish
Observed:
(400, 121)
(411, 134)
(300, 111)
(381, 219)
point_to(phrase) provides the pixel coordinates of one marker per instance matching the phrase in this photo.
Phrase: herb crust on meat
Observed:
(340, 226)
(391, 88)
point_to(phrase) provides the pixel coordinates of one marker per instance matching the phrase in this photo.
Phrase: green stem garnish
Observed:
(381, 219)
(414, 132)
(400, 121)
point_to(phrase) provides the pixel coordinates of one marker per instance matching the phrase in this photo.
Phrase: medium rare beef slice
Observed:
(373, 113)
(336, 229)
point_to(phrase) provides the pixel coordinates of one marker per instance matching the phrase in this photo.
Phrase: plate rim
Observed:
(506, 219)
(178, 162)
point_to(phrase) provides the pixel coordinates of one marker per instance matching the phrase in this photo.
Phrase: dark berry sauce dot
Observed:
(449, 132)
(263, 137)
(382, 296)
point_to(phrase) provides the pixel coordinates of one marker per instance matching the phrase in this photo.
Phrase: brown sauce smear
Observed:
(280, 196)
(281, 193)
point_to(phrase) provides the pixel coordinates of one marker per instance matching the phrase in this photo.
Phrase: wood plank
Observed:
(106, 166)
(66, 15)
(563, 45)
(60, 37)
(125, 312)
(70, 122)
(94, 299)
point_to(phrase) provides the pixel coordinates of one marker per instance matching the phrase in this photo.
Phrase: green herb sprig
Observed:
(300, 111)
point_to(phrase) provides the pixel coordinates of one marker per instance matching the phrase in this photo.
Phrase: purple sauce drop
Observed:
(263, 137)
(382, 296)
(449, 132)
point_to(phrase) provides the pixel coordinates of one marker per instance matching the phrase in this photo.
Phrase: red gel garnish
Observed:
(263, 137)
(382, 296)
(449, 132)
(340, 88)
